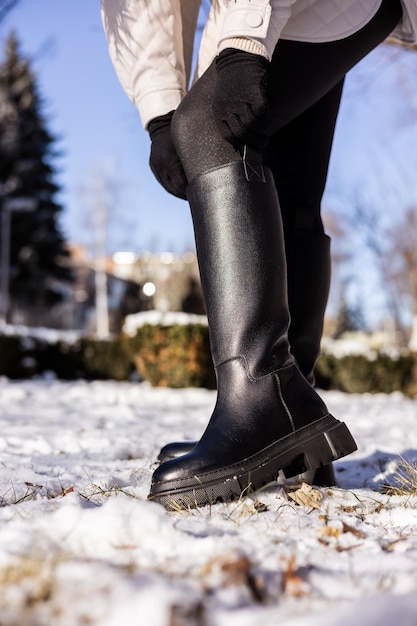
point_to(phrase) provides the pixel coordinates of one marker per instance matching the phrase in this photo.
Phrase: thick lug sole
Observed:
(309, 448)
(321, 477)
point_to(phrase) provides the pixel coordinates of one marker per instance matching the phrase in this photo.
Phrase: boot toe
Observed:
(175, 449)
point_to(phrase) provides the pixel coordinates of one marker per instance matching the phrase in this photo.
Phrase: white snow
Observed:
(80, 543)
(164, 318)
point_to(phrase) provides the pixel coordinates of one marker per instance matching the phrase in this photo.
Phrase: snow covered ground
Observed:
(80, 544)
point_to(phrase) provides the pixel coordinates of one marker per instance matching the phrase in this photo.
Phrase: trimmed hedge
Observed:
(11, 357)
(179, 356)
(89, 358)
(173, 356)
(355, 373)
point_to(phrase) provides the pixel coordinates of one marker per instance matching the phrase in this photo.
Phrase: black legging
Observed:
(298, 155)
(304, 92)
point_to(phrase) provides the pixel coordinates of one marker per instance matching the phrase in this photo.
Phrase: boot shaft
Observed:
(309, 273)
(240, 249)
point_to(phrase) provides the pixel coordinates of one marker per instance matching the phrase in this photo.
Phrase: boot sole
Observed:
(309, 448)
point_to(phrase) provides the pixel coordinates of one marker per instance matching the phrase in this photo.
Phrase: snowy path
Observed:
(79, 543)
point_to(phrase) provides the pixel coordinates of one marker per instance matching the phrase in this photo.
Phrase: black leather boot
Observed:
(267, 417)
(308, 280)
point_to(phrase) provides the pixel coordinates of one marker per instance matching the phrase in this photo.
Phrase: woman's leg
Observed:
(302, 73)
(298, 155)
(267, 417)
(304, 102)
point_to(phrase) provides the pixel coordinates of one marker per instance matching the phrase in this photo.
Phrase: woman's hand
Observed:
(240, 99)
(164, 161)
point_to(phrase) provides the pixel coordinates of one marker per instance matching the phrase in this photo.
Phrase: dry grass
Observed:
(404, 480)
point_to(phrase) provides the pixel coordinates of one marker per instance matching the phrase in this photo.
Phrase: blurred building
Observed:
(171, 281)
(135, 283)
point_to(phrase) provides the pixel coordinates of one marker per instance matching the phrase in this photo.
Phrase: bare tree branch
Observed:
(5, 7)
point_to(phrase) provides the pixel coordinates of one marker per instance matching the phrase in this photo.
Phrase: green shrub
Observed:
(22, 357)
(173, 356)
(11, 354)
(355, 373)
(109, 359)
(179, 356)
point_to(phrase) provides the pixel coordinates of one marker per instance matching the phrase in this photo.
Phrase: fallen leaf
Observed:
(254, 507)
(348, 509)
(293, 584)
(260, 507)
(238, 571)
(329, 531)
(307, 496)
(355, 531)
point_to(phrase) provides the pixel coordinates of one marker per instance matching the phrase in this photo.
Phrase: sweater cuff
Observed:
(248, 20)
(245, 44)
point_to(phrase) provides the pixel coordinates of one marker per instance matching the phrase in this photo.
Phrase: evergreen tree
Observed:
(39, 260)
(349, 318)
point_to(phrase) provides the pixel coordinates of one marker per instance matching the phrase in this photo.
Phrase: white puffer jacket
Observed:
(151, 41)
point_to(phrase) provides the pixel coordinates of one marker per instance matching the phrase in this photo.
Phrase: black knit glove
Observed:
(240, 98)
(164, 161)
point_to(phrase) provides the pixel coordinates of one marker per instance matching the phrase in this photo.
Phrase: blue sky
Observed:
(100, 131)
(99, 128)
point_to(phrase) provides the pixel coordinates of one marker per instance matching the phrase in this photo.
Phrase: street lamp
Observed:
(9, 205)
